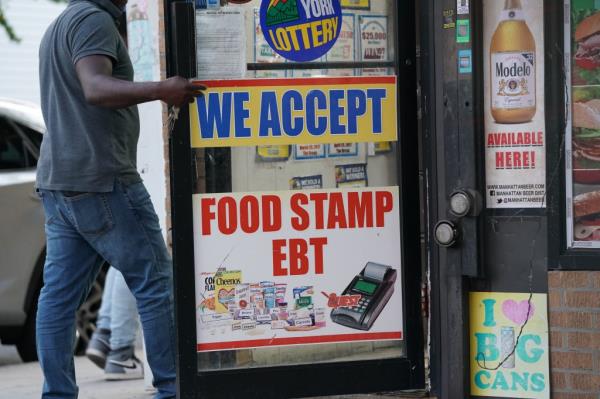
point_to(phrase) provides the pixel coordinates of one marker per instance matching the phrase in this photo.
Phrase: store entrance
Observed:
(295, 235)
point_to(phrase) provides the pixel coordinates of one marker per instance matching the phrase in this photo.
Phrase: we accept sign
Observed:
(295, 111)
(495, 321)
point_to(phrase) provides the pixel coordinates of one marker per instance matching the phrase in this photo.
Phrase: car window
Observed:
(19, 145)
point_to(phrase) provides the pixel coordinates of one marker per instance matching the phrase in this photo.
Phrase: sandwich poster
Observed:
(509, 345)
(297, 267)
(582, 42)
(515, 144)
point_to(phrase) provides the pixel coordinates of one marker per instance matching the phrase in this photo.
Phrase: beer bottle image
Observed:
(512, 64)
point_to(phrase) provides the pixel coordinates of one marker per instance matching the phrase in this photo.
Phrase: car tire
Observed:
(26, 346)
(85, 320)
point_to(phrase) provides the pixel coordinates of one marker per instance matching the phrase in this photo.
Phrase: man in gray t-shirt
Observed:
(97, 209)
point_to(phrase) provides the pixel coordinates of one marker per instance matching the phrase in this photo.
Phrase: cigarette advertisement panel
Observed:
(297, 267)
(252, 112)
(582, 146)
(515, 149)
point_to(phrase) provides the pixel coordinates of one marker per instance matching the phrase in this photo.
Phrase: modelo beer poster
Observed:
(509, 345)
(582, 143)
(515, 151)
(297, 267)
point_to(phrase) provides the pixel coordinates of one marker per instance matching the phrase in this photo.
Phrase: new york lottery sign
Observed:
(301, 30)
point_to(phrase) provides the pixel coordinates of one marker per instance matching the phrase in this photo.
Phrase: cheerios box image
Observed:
(225, 283)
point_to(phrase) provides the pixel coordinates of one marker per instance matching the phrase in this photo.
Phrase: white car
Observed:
(22, 241)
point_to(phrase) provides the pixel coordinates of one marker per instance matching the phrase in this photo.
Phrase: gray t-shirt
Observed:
(86, 147)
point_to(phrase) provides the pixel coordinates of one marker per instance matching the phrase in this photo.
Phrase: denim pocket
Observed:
(90, 212)
(50, 211)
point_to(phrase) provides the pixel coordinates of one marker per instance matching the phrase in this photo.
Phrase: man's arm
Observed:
(102, 89)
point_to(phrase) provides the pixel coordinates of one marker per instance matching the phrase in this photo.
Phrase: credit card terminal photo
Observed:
(375, 285)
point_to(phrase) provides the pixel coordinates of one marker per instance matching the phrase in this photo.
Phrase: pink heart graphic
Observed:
(517, 311)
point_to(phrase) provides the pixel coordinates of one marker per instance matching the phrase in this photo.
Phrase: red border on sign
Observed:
(349, 80)
(323, 339)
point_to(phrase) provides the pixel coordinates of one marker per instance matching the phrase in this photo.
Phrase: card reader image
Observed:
(375, 285)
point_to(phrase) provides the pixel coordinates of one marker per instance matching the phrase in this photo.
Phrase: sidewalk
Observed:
(24, 381)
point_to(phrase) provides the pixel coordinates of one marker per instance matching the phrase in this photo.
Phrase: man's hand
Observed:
(178, 91)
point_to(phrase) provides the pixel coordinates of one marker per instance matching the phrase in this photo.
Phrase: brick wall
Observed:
(574, 318)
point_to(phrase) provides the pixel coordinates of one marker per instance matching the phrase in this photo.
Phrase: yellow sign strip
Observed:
(235, 113)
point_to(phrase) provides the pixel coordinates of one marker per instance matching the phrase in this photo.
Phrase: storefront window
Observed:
(583, 123)
(292, 316)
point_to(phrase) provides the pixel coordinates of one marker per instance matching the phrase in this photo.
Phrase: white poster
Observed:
(514, 104)
(344, 50)
(222, 50)
(309, 151)
(373, 42)
(263, 53)
(309, 73)
(297, 267)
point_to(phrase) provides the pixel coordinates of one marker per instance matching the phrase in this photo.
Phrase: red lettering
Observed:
(318, 244)
(490, 139)
(271, 208)
(278, 258)
(226, 209)
(332, 300)
(319, 199)
(302, 221)
(336, 216)
(249, 219)
(298, 258)
(499, 160)
(207, 214)
(360, 209)
(384, 202)
(517, 161)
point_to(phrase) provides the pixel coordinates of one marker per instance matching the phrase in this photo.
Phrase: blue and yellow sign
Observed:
(235, 113)
(301, 30)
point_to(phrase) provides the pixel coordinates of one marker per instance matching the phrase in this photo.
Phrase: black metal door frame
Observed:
(498, 242)
(451, 109)
(310, 379)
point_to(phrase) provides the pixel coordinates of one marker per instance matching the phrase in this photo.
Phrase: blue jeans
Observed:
(118, 312)
(83, 230)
